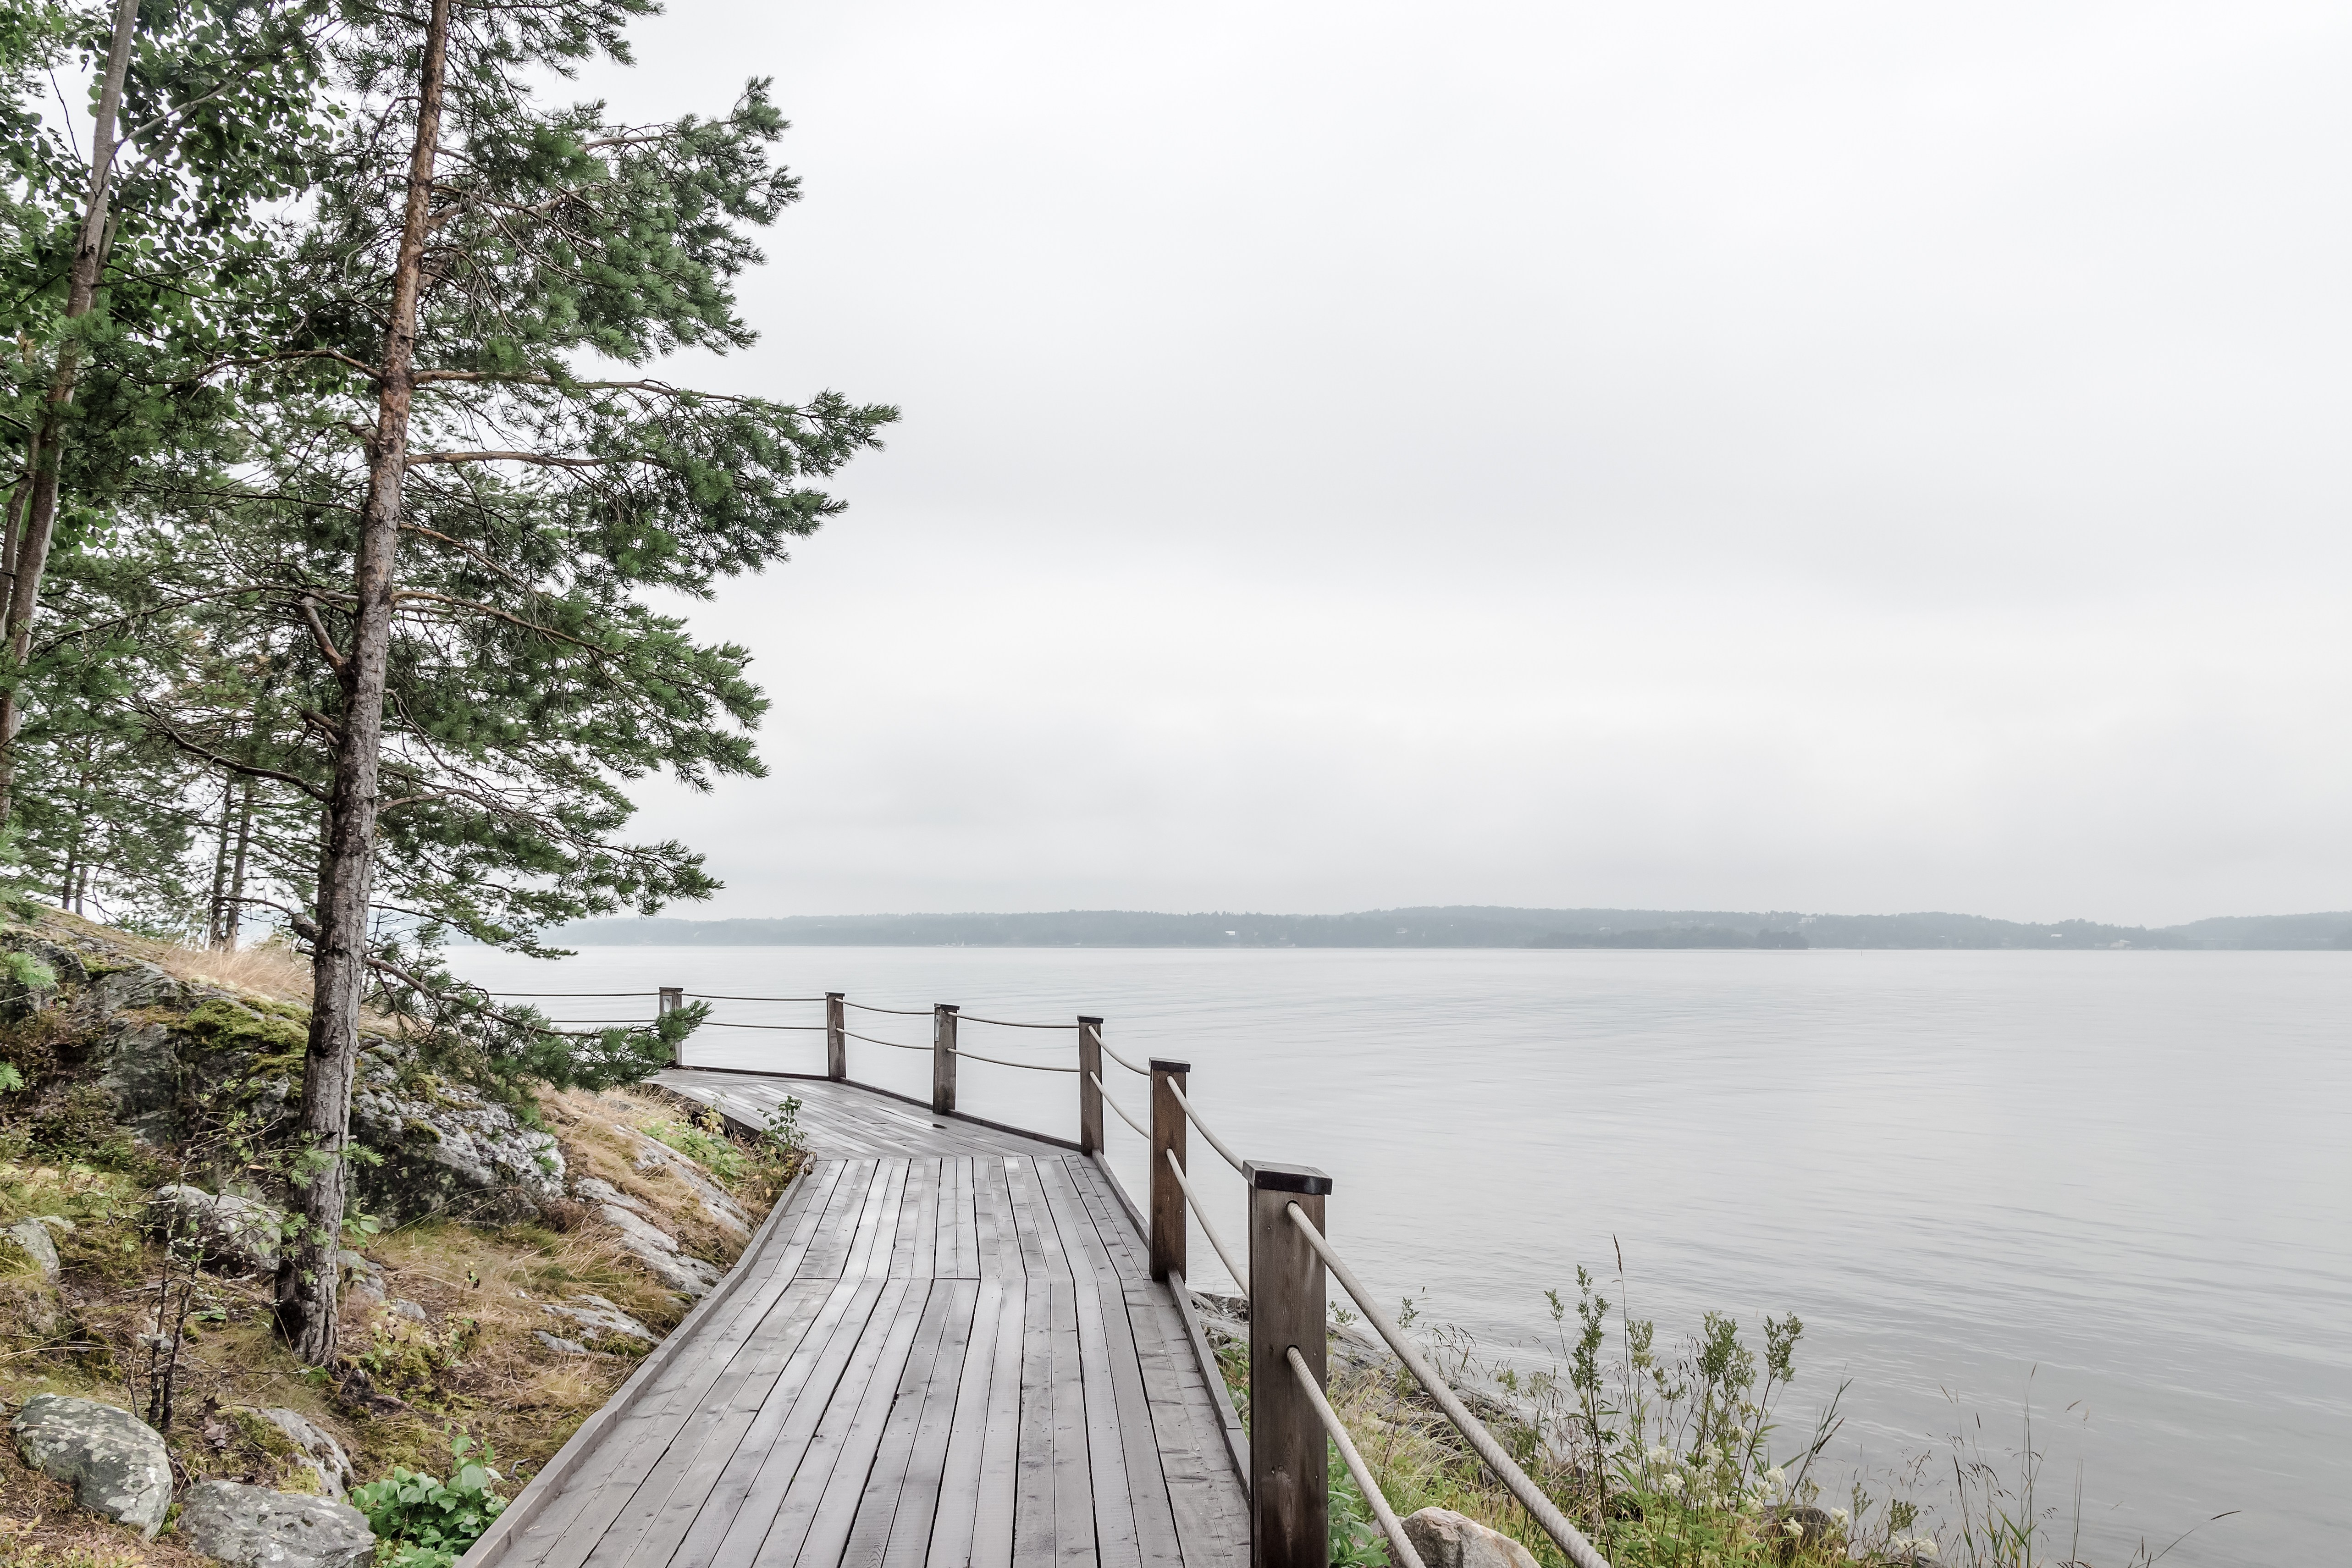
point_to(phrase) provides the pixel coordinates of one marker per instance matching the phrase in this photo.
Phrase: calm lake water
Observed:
(2116, 1184)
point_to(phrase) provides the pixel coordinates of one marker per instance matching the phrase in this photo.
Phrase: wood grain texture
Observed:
(945, 1350)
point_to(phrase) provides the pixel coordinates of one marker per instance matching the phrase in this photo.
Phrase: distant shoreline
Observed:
(1474, 927)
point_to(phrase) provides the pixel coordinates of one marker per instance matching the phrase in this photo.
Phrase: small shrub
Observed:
(705, 1147)
(423, 1521)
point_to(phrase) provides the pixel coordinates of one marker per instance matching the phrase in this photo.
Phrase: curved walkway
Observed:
(943, 1347)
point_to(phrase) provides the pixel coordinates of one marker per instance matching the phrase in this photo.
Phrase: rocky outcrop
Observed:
(445, 1147)
(659, 1251)
(235, 1234)
(253, 1527)
(1448, 1540)
(114, 1461)
(719, 1207)
(596, 1318)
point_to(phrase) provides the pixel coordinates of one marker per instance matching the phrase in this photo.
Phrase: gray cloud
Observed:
(1826, 456)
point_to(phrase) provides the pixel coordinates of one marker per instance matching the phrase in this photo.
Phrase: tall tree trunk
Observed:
(30, 556)
(306, 1278)
(219, 914)
(234, 918)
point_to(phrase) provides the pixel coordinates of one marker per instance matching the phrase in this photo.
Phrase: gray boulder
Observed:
(32, 1238)
(114, 1461)
(237, 1234)
(315, 1450)
(560, 1346)
(254, 1527)
(1448, 1540)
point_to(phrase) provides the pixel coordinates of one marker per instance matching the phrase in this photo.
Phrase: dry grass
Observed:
(269, 970)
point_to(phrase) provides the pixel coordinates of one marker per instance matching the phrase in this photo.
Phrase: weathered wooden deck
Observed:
(945, 1347)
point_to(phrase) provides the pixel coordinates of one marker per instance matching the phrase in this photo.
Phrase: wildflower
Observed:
(1662, 1456)
(1839, 1517)
(1671, 1481)
(1925, 1546)
(1794, 1526)
(1776, 1478)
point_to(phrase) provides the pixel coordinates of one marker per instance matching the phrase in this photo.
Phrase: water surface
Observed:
(2117, 1181)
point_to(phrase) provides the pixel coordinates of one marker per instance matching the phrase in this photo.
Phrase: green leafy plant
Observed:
(423, 1521)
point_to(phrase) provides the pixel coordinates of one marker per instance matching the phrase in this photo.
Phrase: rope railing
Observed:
(1140, 1130)
(1006, 1023)
(902, 1011)
(870, 1040)
(1116, 1057)
(1572, 1541)
(1194, 1116)
(1241, 1278)
(565, 995)
(708, 997)
(1399, 1544)
(722, 1023)
(1034, 1066)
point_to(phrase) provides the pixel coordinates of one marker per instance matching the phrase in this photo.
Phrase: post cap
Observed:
(835, 995)
(1084, 1019)
(1162, 1064)
(1270, 1178)
(945, 1007)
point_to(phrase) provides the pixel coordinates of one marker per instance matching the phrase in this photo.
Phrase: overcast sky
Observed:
(1824, 457)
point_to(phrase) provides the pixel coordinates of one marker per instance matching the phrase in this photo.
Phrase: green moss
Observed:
(263, 1434)
(287, 1063)
(416, 1129)
(229, 1024)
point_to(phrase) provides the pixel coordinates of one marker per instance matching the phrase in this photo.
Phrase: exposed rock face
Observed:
(32, 1238)
(114, 1461)
(560, 1346)
(238, 1235)
(600, 1317)
(1448, 1540)
(254, 1527)
(658, 1250)
(444, 1146)
(315, 1450)
(723, 1210)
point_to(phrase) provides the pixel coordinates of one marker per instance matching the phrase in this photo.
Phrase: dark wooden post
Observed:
(836, 1039)
(673, 998)
(1090, 1131)
(1168, 1128)
(1290, 1506)
(943, 1058)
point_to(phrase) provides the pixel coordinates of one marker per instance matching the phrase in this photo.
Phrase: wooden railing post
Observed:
(1090, 1131)
(943, 1058)
(673, 998)
(837, 1037)
(1290, 1505)
(1168, 1130)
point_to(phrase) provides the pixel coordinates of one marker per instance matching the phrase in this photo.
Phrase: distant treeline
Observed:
(1458, 926)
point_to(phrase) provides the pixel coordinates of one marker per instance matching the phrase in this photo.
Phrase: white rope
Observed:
(1115, 1105)
(1571, 1540)
(1214, 1141)
(1406, 1557)
(1207, 1229)
(1000, 1061)
(1119, 1060)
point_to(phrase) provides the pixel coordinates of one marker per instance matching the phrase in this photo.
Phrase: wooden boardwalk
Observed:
(944, 1347)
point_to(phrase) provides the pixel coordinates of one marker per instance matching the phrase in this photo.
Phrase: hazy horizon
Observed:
(1831, 457)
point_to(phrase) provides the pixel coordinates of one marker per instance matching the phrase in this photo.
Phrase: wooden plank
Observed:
(769, 1449)
(1074, 1499)
(1000, 1473)
(957, 1501)
(1034, 1512)
(877, 1228)
(956, 1250)
(894, 1520)
(1129, 1252)
(822, 1503)
(766, 1476)
(992, 1231)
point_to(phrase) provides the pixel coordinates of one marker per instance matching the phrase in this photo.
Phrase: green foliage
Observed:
(422, 1522)
(11, 1079)
(705, 1146)
(28, 974)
